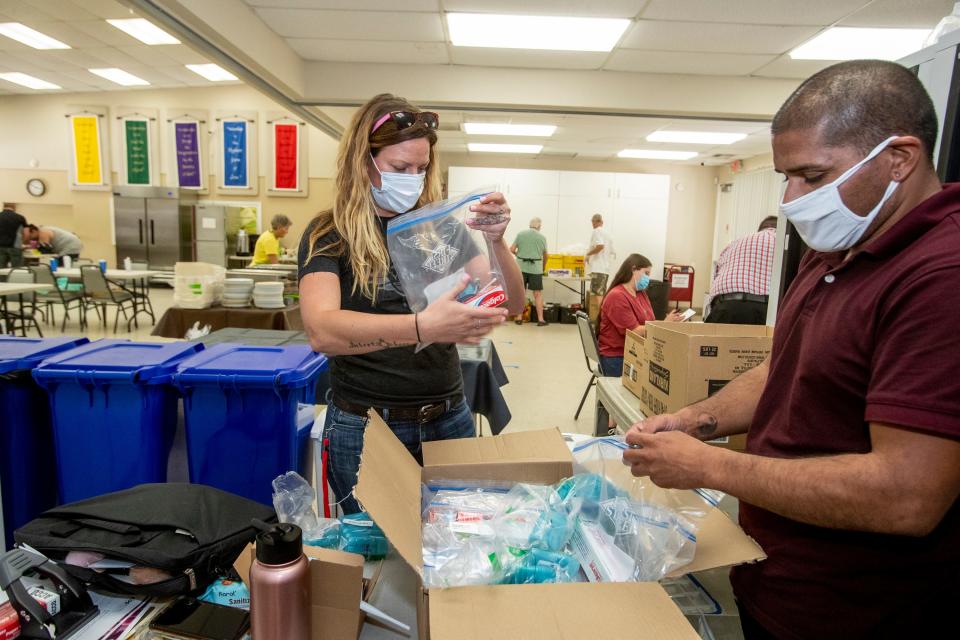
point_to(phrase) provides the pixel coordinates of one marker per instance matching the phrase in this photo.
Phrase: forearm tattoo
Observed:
(706, 425)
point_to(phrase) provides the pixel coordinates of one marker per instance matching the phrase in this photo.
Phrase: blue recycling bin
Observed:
(244, 422)
(28, 466)
(114, 413)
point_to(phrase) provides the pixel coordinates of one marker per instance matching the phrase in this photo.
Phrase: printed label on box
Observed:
(709, 352)
(659, 377)
(715, 385)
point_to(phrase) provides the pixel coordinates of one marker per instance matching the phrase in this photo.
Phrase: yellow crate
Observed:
(573, 262)
(554, 261)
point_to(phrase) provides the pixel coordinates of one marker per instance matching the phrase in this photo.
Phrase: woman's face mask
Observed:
(398, 192)
(643, 282)
(824, 221)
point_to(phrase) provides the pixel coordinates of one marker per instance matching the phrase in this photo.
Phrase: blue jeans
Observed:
(344, 433)
(612, 366)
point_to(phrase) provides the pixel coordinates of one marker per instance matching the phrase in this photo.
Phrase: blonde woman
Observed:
(353, 306)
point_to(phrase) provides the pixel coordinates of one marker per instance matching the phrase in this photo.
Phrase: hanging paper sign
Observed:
(186, 138)
(137, 144)
(86, 150)
(286, 149)
(235, 154)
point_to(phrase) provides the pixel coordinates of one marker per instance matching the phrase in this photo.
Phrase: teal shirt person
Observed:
(531, 245)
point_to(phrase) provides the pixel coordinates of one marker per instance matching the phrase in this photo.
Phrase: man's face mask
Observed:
(398, 192)
(824, 221)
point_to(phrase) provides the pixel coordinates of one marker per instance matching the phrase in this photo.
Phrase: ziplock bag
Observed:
(431, 248)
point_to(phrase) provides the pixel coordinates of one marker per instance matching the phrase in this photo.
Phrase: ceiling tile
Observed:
(149, 55)
(105, 33)
(786, 67)
(900, 13)
(67, 33)
(179, 53)
(782, 12)
(726, 64)
(69, 59)
(113, 57)
(714, 37)
(370, 51)
(527, 58)
(426, 6)
(354, 25)
(107, 9)
(606, 9)
(27, 12)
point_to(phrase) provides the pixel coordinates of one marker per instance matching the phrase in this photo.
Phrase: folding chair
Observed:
(591, 353)
(98, 293)
(26, 314)
(44, 275)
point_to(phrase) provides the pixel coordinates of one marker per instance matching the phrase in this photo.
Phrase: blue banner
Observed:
(235, 154)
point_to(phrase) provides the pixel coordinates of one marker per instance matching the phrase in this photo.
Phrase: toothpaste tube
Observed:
(490, 296)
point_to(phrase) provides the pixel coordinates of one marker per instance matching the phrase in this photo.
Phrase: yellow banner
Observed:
(86, 149)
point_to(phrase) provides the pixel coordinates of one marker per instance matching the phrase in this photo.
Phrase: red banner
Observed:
(286, 156)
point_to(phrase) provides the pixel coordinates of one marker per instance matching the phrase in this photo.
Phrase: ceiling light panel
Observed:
(119, 76)
(535, 32)
(495, 129)
(212, 72)
(144, 31)
(853, 43)
(484, 147)
(28, 81)
(30, 37)
(696, 137)
(657, 154)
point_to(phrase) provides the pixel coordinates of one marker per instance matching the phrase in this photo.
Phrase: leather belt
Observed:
(739, 297)
(421, 415)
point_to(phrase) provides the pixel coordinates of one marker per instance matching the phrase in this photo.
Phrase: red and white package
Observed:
(9, 622)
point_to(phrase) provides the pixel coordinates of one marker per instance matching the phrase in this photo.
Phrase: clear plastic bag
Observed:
(535, 516)
(293, 499)
(432, 248)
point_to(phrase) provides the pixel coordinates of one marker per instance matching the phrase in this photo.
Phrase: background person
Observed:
(353, 306)
(267, 250)
(740, 286)
(625, 306)
(530, 247)
(598, 256)
(54, 240)
(11, 236)
(852, 470)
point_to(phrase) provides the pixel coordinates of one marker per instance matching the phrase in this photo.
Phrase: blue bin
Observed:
(114, 413)
(28, 466)
(244, 425)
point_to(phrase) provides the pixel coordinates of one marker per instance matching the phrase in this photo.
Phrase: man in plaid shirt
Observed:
(741, 278)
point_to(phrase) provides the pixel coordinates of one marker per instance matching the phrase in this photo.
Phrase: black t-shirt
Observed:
(11, 223)
(389, 377)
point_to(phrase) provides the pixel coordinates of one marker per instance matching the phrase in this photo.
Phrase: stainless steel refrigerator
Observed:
(209, 234)
(149, 223)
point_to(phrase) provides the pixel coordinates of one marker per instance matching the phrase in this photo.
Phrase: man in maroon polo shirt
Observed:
(852, 470)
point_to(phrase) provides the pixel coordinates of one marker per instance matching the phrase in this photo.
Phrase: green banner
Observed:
(138, 152)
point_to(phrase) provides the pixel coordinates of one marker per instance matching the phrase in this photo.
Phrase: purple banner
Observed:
(187, 141)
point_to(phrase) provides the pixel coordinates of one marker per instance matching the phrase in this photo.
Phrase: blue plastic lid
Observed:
(117, 361)
(26, 353)
(237, 365)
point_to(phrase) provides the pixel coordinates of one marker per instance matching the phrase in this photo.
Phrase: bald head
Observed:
(860, 104)
(535, 223)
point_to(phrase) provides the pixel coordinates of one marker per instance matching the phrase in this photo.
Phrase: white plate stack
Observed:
(236, 292)
(268, 295)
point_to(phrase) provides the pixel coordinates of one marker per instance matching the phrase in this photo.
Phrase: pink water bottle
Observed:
(280, 585)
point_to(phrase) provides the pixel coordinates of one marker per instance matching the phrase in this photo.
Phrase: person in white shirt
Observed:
(598, 256)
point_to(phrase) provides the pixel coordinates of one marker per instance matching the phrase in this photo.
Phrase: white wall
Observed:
(690, 218)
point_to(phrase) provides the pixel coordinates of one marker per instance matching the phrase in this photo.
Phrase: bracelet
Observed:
(416, 324)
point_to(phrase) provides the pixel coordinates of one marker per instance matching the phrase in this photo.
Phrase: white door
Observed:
(525, 207)
(586, 183)
(465, 179)
(530, 182)
(573, 224)
(639, 225)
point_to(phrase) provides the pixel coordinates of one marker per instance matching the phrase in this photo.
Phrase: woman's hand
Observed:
(674, 316)
(492, 204)
(447, 320)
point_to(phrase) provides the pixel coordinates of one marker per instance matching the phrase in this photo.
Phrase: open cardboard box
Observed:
(389, 490)
(336, 587)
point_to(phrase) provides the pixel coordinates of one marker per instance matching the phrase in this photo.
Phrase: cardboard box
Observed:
(388, 487)
(336, 588)
(690, 361)
(634, 361)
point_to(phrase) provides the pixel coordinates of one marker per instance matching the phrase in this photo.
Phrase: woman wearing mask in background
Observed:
(625, 306)
(354, 309)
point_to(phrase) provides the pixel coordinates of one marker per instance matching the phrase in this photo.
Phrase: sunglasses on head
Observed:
(406, 119)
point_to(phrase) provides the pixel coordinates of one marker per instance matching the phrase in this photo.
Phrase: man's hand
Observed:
(672, 460)
(701, 425)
